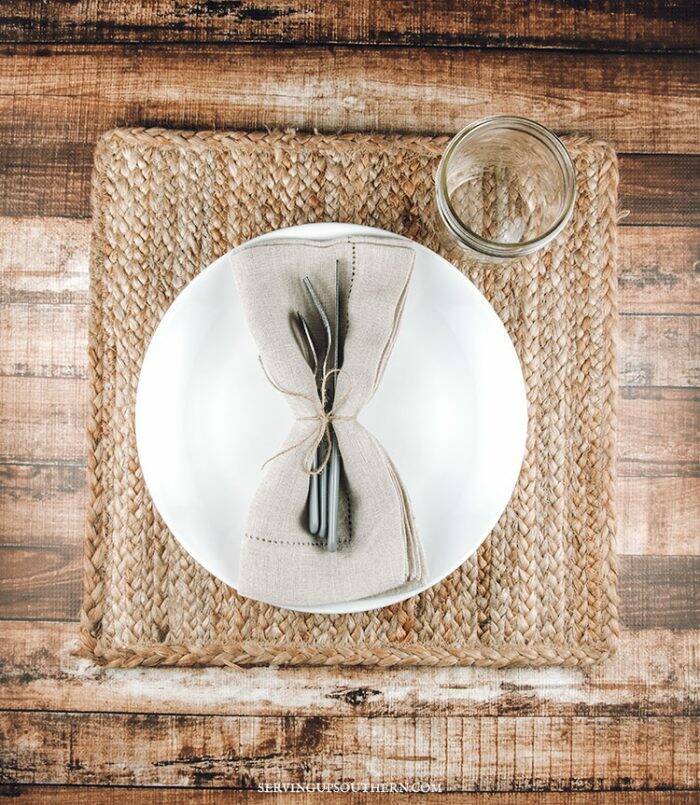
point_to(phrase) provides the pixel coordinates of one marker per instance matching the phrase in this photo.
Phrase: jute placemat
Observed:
(540, 591)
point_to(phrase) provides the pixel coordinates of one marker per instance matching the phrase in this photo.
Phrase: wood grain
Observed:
(570, 753)
(658, 515)
(658, 432)
(630, 723)
(38, 340)
(657, 350)
(39, 671)
(660, 188)
(43, 419)
(657, 591)
(36, 182)
(45, 260)
(41, 582)
(45, 179)
(46, 583)
(56, 100)
(659, 269)
(42, 504)
(123, 795)
(648, 25)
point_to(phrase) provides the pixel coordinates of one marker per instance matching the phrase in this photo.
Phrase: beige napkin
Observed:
(379, 550)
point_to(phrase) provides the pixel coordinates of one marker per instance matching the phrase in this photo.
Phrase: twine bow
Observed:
(324, 418)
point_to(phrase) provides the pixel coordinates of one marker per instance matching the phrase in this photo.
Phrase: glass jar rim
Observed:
(495, 248)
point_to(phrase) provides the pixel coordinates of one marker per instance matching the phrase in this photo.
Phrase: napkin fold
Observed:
(378, 547)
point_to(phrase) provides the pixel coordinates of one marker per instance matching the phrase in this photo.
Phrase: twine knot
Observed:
(325, 418)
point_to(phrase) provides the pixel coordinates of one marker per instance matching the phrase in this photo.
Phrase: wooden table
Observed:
(68, 71)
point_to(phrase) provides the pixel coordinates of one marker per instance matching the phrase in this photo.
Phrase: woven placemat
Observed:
(541, 590)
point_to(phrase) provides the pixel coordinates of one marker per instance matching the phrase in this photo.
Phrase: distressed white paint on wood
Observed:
(41, 672)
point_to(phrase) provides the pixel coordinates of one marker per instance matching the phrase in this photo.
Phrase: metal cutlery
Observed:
(311, 356)
(323, 477)
(334, 464)
(326, 490)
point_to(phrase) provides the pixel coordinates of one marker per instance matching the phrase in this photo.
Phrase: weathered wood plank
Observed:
(46, 180)
(43, 420)
(42, 180)
(40, 340)
(46, 583)
(659, 269)
(40, 671)
(45, 260)
(657, 591)
(50, 341)
(44, 340)
(658, 432)
(61, 405)
(42, 504)
(45, 505)
(570, 754)
(40, 582)
(660, 189)
(648, 26)
(657, 350)
(56, 100)
(658, 515)
(123, 795)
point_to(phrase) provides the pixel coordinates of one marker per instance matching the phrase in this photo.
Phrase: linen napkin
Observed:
(378, 547)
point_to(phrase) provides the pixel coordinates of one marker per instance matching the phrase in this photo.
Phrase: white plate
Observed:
(451, 412)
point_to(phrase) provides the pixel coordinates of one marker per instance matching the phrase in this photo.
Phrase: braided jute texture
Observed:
(542, 588)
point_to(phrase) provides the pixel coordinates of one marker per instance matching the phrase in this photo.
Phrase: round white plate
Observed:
(451, 412)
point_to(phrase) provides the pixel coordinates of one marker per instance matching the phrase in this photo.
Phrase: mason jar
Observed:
(505, 188)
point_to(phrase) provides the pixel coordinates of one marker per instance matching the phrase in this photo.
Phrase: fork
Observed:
(311, 357)
(334, 465)
(323, 481)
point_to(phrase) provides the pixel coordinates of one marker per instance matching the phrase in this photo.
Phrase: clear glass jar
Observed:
(505, 188)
